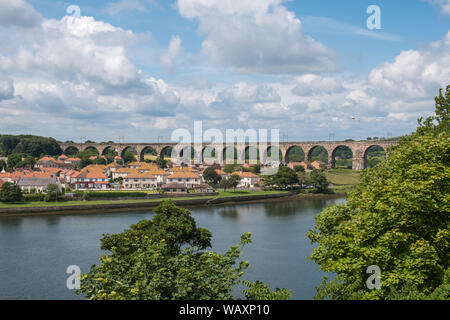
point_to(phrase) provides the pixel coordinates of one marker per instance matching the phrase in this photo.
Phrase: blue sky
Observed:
(143, 68)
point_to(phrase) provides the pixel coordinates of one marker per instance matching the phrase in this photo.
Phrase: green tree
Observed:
(128, 157)
(162, 163)
(52, 193)
(2, 165)
(14, 160)
(233, 181)
(166, 259)
(29, 162)
(211, 176)
(10, 193)
(284, 177)
(299, 168)
(318, 180)
(396, 219)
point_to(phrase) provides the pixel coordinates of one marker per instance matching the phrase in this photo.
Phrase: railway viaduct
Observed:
(358, 148)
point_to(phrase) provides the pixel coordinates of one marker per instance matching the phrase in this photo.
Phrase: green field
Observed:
(222, 194)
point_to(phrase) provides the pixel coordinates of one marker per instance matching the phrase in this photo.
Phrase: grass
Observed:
(342, 177)
(222, 194)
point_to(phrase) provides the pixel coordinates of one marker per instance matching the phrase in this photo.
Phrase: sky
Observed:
(137, 70)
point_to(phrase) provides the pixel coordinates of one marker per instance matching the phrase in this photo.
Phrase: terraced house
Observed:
(144, 180)
(188, 179)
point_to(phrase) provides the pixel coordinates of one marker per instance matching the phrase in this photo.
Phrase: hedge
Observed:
(34, 197)
(107, 195)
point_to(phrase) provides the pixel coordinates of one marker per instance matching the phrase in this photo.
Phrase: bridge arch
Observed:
(108, 149)
(210, 155)
(380, 153)
(318, 152)
(168, 151)
(71, 150)
(342, 155)
(295, 153)
(251, 154)
(93, 148)
(147, 150)
(230, 154)
(268, 154)
(130, 149)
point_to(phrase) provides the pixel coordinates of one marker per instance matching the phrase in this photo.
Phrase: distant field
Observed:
(342, 177)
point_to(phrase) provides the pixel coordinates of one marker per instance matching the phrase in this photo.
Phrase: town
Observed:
(63, 172)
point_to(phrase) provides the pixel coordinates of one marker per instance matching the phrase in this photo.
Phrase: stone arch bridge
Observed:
(358, 148)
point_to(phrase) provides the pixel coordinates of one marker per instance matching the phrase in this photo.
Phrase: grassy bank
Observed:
(342, 180)
(222, 194)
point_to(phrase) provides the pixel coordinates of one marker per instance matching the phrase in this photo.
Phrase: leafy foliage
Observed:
(10, 193)
(211, 176)
(284, 177)
(397, 219)
(166, 258)
(28, 145)
(318, 180)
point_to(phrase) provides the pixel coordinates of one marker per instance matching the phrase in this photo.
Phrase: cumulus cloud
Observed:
(443, 4)
(415, 73)
(311, 84)
(6, 89)
(174, 50)
(18, 13)
(257, 37)
(73, 71)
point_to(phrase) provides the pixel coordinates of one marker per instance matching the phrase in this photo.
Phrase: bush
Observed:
(111, 195)
(10, 193)
(33, 197)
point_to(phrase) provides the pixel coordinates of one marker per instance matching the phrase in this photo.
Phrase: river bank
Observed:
(118, 205)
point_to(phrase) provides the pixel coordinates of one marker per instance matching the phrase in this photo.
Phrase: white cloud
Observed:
(247, 35)
(174, 50)
(311, 84)
(443, 4)
(6, 89)
(415, 73)
(18, 13)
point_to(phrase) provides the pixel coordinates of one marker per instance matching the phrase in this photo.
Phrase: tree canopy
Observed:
(28, 145)
(166, 259)
(396, 219)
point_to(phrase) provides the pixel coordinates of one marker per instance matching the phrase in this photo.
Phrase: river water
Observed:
(36, 251)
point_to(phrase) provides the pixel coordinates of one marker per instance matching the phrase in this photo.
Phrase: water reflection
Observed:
(35, 251)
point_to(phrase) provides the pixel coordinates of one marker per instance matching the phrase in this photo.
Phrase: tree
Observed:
(283, 178)
(299, 168)
(53, 193)
(162, 163)
(233, 181)
(29, 162)
(10, 193)
(128, 157)
(2, 165)
(166, 258)
(396, 219)
(318, 180)
(211, 176)
(14, 161)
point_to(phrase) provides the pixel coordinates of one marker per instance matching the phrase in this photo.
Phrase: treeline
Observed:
(28, 145)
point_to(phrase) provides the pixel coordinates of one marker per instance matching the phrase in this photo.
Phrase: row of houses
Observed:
(134, 176)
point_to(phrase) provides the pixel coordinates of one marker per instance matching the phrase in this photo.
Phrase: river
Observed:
(36, 251)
